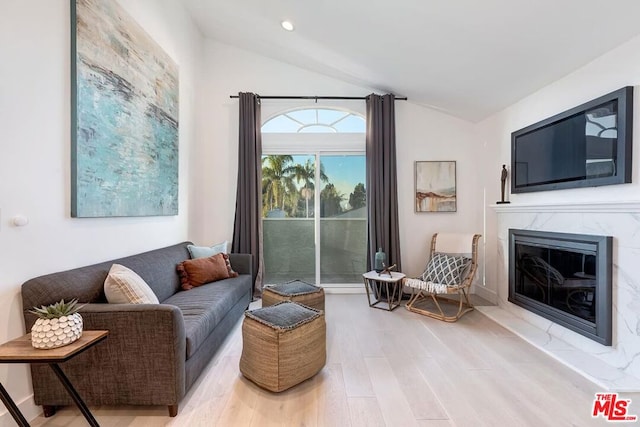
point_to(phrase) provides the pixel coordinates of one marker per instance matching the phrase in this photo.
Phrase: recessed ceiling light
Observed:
(287, 25)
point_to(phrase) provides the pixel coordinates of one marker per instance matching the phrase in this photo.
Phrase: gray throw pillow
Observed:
(445, 269)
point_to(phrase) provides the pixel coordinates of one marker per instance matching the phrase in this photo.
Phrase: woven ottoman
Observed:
(282, 345)
(296, 291)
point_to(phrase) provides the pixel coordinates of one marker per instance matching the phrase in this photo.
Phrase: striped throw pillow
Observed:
(125, 286)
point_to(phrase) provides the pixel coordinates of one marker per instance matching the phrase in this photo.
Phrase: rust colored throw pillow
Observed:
(197, 272)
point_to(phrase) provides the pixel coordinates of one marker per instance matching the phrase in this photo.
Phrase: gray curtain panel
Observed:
(382, 181)
(247, 227)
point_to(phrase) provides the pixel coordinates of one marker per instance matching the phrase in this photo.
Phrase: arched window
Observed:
(314, 197)
(315, 120)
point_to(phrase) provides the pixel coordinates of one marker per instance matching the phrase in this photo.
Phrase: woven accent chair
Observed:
(453, 261)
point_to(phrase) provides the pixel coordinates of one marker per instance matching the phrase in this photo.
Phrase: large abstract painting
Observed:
(435, 186)
(124, 156)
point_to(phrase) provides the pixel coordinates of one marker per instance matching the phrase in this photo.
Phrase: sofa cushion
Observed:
(206, 251)
(156, 267)
(197, 272)
(205, 306)
(125, 286)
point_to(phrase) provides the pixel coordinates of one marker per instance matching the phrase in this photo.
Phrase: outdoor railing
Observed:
(289, 249)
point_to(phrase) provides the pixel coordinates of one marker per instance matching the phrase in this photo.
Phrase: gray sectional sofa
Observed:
(154, 352)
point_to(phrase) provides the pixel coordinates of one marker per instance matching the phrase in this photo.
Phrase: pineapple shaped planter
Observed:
(58, 324)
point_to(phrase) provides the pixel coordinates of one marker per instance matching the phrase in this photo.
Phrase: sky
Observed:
(343, 171)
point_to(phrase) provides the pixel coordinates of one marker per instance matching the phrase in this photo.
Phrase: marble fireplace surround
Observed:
(615, 368)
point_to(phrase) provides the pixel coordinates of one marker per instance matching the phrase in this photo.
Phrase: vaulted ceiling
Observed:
(468, 58)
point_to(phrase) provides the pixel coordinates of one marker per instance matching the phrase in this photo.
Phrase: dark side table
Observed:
(20, 350)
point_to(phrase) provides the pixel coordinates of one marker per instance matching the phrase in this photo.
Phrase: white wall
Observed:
(619, 67)
(421, 134)
(425, 134)
(35, 157)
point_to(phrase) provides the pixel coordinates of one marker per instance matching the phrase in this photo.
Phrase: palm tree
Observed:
(276, 179)
(307, 174)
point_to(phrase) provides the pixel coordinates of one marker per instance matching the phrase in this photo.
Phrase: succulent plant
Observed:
(59, 309)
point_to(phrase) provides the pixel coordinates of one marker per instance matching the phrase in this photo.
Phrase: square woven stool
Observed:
(282, 345)
(295, 291)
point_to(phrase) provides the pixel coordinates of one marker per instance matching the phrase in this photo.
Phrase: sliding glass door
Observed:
(343, 219)
(313, 194)
(288, 224)
(315, 233)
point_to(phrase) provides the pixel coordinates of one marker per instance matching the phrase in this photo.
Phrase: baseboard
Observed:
(29, 409)
(484, 293)
(343, 290)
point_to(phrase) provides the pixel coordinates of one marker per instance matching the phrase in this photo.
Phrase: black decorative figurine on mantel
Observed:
(503, 183)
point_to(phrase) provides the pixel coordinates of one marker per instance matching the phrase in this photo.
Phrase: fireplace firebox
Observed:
(565, 278)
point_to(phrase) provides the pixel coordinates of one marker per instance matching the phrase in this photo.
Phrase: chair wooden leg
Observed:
(412, 300)
(49, 410)
(415, 298)
(434, 297)
(173, 410)
(464, 306)
(411, 305)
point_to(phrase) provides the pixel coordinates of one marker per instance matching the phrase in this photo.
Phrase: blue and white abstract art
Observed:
(124, 156)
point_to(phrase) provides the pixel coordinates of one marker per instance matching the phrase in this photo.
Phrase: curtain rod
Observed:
(316, 98)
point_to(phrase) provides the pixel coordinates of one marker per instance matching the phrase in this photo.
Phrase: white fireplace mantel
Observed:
(617, 218)
(622, 206)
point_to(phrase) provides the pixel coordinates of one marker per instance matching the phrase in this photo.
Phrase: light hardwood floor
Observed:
(385, 369)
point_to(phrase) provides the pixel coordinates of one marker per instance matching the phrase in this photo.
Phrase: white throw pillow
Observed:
(124, 286)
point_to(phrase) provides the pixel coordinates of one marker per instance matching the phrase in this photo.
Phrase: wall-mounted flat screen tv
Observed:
(587, 146)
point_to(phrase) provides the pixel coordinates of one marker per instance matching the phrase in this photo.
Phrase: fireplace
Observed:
(565, 278)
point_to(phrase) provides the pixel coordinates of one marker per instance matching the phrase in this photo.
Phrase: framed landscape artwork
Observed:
(435, 184)
(124, 114)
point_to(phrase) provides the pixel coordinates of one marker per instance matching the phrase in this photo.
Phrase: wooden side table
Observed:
(20, 350)
(374, 284)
